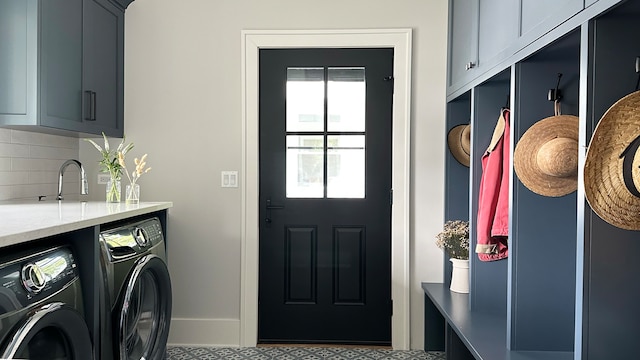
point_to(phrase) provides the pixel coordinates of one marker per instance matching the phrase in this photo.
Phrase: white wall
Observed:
(183, 108)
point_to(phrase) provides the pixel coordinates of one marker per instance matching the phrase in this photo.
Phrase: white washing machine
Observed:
(136, 293)
(41, 306)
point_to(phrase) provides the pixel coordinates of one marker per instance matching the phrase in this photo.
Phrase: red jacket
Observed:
(493, 198)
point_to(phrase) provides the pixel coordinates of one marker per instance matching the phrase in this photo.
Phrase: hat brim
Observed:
(454, 141)
(604, 184)
(525, 156)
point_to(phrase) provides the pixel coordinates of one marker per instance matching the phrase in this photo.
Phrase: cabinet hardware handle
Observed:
(93, 106)
(90, 100)
(87, 101)
(470, 65)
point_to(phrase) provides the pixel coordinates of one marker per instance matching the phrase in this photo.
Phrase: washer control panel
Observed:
(149, 232)
(28, 279)
(33, 278)
(129, 240)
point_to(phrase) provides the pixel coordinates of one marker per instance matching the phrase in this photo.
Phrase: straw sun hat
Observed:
(459, 141)
(546, 157)
(611, 174)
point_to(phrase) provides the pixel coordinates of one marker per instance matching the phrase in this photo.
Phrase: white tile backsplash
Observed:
(14, 178)
(5, 135)
(14, 150)
(50, 152)
(29, 164)
(5, 164)
(32, 138)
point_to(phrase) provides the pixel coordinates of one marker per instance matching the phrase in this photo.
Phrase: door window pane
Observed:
(305, 166)
(345, 166)
(346, 94)
(305, 99)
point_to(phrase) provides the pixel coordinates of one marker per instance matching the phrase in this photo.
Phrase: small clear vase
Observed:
(132, 194)
(113, 191)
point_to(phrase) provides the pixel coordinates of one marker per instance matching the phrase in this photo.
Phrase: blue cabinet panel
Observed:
(61, 64)
(463, 41)
(18, 60)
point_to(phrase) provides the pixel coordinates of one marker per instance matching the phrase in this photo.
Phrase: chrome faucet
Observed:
(84, 184)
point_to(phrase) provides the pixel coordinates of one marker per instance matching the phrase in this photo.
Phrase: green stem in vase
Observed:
(113, 189)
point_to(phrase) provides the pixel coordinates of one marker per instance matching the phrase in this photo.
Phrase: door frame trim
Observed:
(251, 42)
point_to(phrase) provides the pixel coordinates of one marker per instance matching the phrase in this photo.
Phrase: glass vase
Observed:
(113, 191)
(132, 194)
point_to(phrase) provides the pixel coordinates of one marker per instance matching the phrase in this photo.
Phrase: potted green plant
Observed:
(454, 239)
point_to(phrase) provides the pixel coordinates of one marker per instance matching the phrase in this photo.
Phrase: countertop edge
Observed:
(42, 230)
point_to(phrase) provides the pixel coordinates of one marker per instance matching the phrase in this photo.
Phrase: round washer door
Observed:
(53, 331)
(145, 311)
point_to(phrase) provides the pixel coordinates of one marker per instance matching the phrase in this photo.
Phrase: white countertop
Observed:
(22, 221)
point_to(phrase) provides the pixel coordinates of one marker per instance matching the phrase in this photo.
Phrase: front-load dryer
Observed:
(41, 306)
(136, 292)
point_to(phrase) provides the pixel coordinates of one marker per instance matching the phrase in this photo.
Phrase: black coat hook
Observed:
(507, 104)
(555, 94)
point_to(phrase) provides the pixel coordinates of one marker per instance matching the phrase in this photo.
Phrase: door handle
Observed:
(270, 207)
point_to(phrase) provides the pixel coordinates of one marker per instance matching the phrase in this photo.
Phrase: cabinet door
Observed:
(497, 32)
(61, 64)
(124, 3)
(541, 16)
(463, 41)
(18, 61)
(103, 67)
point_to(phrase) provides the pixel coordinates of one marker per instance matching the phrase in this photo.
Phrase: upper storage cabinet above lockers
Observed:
(62, 66)
(480, 36)
(486, 36)
(538, 17)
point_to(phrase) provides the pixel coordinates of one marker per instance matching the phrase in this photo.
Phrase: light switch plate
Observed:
(229, 179)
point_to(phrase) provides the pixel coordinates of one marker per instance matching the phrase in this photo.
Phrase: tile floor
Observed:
(298, 353)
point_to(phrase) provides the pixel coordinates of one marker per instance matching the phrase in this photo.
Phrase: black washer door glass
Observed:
(48, 344)
(142, 318)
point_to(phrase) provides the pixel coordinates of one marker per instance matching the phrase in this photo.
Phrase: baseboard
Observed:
(204, 332)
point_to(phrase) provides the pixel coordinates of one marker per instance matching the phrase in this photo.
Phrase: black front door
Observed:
(325, 195)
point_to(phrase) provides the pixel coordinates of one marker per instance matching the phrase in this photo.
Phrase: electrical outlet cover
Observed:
(103, 178)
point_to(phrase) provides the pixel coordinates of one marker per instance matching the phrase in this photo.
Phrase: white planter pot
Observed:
(460, 276)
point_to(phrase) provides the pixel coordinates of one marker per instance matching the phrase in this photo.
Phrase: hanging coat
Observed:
(493, 198)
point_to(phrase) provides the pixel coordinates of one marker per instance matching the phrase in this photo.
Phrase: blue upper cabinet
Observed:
(485, 34)
(481, 34)
(123, 3)
(18, 61)
(541, 16)
(463, 42)
(62, 66)
(103, 71)
(498, 23)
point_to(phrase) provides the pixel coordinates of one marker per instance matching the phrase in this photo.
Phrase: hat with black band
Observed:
(612, 165)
